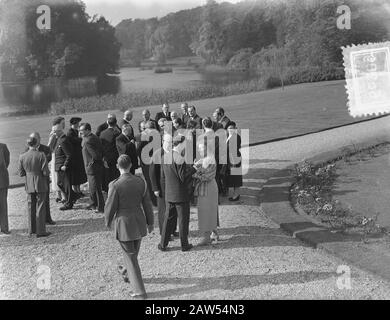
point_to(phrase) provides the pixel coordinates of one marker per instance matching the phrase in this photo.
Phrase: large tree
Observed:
(75, 46)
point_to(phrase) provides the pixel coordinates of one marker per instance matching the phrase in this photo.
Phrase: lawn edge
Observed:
(275, 203)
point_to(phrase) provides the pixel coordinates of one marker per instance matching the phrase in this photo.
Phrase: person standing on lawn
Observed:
(128, 206)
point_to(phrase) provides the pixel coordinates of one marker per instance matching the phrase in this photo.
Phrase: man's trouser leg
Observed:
(47, 202)
(169, 224)
(32, 212)
(131, 250)
(41, 213)
(183, 214)
(4, 210)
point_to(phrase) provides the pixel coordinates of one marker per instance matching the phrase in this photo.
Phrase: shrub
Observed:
(163, 70)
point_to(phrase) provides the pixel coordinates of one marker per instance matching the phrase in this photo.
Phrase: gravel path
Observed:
(253, 260)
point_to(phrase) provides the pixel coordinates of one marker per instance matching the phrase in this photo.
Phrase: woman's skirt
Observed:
(208, 208)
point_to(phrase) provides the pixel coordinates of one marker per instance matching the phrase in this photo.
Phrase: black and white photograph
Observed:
(194, 150)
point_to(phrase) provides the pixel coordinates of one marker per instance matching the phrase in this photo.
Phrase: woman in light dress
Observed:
(206, 189)
(53, 174)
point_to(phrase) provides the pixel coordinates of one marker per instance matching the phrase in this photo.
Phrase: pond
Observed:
(35, 98)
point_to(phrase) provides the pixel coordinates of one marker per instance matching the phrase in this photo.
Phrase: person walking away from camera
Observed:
(79, 176)
(128, 207)
(206, 189)
(33, 166)
(47, 152)
(110, 152)
(178, 179)
(125, 145)
(63, 167)
(4, 185)
(234, 175)
(92, 150)
(60, 198)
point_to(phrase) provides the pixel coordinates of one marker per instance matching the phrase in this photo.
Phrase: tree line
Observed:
(256, 35)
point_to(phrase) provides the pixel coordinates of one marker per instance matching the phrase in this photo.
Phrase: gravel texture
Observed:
(253, 260)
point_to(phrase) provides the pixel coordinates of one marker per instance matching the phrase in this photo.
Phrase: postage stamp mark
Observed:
(367, 73)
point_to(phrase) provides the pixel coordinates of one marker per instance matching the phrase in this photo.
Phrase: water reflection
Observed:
(35, 98)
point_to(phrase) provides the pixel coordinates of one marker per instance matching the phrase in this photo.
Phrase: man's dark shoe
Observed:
(187, 247)
(66, 207)
(161, 248)
(51, 223)
(5, 232)
(99, 211)
(43, 235)
(91, 207)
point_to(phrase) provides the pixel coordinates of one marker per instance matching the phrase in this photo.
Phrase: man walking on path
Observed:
(129, 204)
(33, 166)
(93, 161)
(4, 184)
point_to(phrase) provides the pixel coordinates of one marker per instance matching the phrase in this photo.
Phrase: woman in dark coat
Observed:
(79, 176)
(234, 170)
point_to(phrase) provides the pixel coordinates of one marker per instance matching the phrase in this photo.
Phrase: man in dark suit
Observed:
(220, 117)
(145, 119)
(177, 177)
(125, 145)
(79, 176)
(47, 152)
(194, 117)
(4, 184)
(63, 162)
(164, 114)
(127, 117)
(185, 115)
(110, 152)
(93, 161)
(104, 126)
(126, 196)
(33, 166)
(158, 187)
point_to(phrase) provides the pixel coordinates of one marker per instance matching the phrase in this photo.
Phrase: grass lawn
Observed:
(363, 184)
(268, 114)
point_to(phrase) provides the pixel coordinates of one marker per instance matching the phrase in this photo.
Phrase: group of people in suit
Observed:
(108, 160)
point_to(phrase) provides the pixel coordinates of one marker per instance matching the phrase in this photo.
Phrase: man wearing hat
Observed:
(79, 176)
(104, 126)
(33, 166)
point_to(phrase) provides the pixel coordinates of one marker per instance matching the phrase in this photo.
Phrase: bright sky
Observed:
(117, 10)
